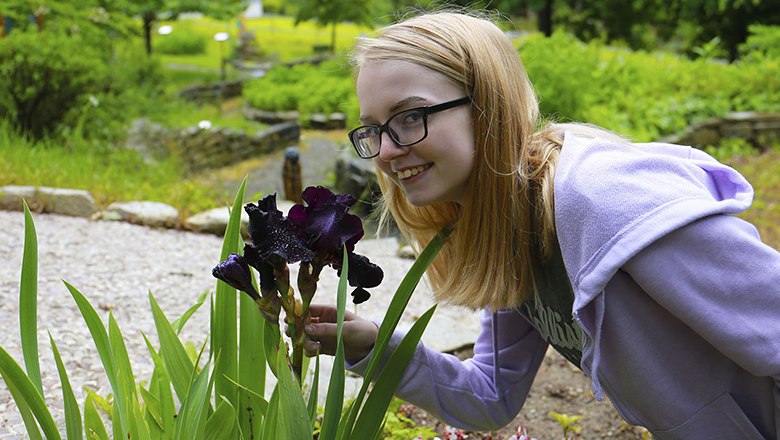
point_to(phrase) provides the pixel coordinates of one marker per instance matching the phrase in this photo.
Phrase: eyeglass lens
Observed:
(405, 128)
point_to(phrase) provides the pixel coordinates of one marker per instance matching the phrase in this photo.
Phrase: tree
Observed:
(150, 11)
(332, 12)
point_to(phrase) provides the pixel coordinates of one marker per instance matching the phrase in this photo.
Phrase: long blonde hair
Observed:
(506, 223)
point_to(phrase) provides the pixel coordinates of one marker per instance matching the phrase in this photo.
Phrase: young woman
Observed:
(624, 257)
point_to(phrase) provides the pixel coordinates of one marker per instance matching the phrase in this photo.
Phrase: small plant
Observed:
(567, 423)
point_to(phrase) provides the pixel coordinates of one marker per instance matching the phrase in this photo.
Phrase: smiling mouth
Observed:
(411, 172)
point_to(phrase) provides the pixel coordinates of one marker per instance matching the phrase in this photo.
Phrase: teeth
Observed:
(405, 174)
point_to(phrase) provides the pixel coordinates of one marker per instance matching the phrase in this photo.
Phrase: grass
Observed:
(109, 174)
(762, 172)
(277, 37)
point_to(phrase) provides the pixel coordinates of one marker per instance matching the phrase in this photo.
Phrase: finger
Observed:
(318, 331)
(311, 348)
(323, 312)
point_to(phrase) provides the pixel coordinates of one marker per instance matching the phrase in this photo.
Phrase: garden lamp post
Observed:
(220, 38)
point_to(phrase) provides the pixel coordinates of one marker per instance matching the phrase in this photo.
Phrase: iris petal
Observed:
(360, 295)
(364, 273)
(272, 234)
(235, 272)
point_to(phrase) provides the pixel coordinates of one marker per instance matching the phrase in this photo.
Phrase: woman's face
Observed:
(438, 168)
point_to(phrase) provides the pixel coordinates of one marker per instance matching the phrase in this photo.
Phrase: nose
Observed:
(389, 150)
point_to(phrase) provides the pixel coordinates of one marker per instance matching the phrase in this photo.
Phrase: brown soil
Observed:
(559, 387)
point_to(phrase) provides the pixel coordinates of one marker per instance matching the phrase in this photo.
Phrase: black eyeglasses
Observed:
(405, 128)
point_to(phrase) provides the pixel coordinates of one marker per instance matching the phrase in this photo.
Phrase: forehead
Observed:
(383, 84)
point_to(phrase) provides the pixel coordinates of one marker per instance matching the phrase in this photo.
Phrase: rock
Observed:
(72, 202)
(154, 214)
(11, 198)
(214, 221)
(406, 252)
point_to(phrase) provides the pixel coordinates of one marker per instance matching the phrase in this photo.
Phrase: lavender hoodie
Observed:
(677, 303)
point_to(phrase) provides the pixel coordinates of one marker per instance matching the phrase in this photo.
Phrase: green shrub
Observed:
(43, 75)
(182, 41)
(323, 88)
(643, 95)
(763, 41)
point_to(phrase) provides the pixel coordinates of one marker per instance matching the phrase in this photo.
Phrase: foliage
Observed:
(152, 11)
(763, 41)
(333, 12)
(115, 174)
(43, 74)
(567, 423)
(642, 95)
(325, 88)
(219, 395)
(182, 42)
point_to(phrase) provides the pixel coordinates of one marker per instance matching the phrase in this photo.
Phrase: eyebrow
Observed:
(399, 105)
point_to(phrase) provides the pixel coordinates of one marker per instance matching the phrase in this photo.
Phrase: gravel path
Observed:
(115, 265)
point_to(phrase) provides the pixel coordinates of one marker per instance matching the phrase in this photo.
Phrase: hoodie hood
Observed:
(614, 199)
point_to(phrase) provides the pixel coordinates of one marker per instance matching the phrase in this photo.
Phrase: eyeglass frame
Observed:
(426, 111)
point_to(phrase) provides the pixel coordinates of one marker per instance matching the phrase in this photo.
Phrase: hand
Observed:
(358, 334)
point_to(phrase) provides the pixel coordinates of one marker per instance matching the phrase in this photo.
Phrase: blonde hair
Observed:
(506, 222)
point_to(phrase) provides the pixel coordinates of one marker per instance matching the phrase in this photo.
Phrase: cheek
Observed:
(384, 167)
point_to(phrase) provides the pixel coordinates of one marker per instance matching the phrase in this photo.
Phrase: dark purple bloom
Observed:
(360, 295)
(325, 224)
(272, 235)
(235, 272)
(362, 272)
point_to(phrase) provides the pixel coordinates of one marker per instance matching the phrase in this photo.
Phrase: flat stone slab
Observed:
(154, 214)
(214, 221)
(63, 201)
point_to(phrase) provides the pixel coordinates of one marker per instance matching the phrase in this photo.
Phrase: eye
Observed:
(411, 118)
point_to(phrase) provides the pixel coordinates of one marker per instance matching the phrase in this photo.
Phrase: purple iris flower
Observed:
(235, 272)
(272, 235)
(325, 224)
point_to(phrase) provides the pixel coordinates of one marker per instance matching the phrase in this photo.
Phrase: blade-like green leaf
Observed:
(98, 332)
(126, 397)
(224, 331)
(180, 368)
(373, 412)
(178, 324)
(28, 301)
(93, 424)
(72, 413)
(334, 402)
(27, 416)
(251, 367)
(190, 424)
(222, 421)
(390, 322)
(271, 339)
(161, 386)
(292, 418)
(314, 393)
(21, 387)
(270, 422)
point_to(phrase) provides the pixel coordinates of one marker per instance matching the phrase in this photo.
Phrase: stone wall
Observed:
(215, 147)
(204, 148)
(759, 129)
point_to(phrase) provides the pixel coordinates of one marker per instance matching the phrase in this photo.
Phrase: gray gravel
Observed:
(115, 265)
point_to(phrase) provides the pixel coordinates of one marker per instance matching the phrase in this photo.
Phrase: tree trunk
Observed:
(149, 18)
(545, 18)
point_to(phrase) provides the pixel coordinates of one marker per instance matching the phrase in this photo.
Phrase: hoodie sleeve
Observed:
(719, 278)
(480, 393)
